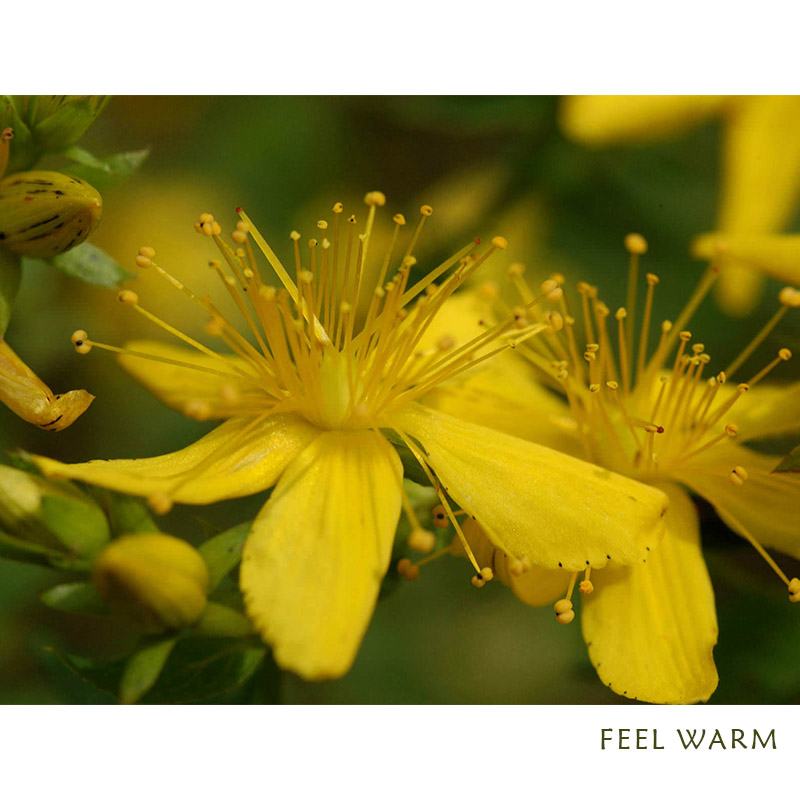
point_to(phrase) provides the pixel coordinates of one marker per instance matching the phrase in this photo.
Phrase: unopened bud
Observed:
(45, 213)
(153, 580)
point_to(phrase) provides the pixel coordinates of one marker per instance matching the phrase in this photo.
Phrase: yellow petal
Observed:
(761, 182)
(505, 396)
(777, 256)
(651, 628)
(616, 119)
(766, 505)
(535, 587)
(767, 411)
(536, 502)
(197, 393)
(233, 460)
(32, 400)
(314, 560)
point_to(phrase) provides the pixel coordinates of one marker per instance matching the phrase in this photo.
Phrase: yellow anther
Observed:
(555, 320)
(789, 296)
(409, 261)
(243, 226)
(666, 326)
(685, 336)
(375, 199)
(592, 348)
(160, 502)
(294, 236)
(421, 540)
(548, 286)
(555, 295)
(325, 244)
(698, 348)
(562, 606)
(621, 313)
(613, 385)
(652, 279)
(240, 237)
(586, 587)
(738, 476)
(402, 565)
(594, 388)
(741, 388)
(445, 343)
(516, 567)
(197, 409)
(79, 339)
(516, 270)
(147, 252)
(214, 327)
(214, 263)
(337, 208)
(487, 574)
(426, 211)
(636, 244)
(206, 217)
(7, 135)
(440, 518)
(399, 219)
(794, 590)
(411, 573)
(731, 429)
(478, 582)
(590, 356)
(128, 297)
(143, 261)
(500, 242)
(784, 353)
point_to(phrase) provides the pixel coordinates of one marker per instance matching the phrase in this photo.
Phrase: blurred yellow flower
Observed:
(307, 397)
(655, 415)
(760, 163)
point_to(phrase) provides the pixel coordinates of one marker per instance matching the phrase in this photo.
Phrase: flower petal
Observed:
(315, 558)
(766, 505)
(651, 628)
(613, 119)
(234, 460)
(536, 502)
(506, 397)
(767, 411)
(194, 392)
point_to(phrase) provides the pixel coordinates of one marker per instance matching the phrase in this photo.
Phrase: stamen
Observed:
(636, 245)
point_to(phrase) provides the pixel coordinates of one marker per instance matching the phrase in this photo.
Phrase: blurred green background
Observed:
(487, 165)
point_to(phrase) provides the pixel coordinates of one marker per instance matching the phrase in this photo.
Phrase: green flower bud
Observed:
(45, 213)
(49, 515)
(57, 121)
(153, 580)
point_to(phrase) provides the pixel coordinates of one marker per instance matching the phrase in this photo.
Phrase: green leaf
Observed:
(791, 462)
(103, 675)
(29, 552)
(104, 173)
(57, 121)
(143, 668)
(411, 467)
(204, 668)
(125, 514)
(10, 274)
(223, 552)
(92, 265)
(75, 598)
(220, 620)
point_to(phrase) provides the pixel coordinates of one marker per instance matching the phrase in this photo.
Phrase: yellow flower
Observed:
(654, 411)
(760, 163)
(306, 399)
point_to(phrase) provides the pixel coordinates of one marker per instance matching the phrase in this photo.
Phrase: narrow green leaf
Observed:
(204, 668)
(220, 620)
(28, 552)
(10, 274)
(143, 668)
(103, 675)
(92, 265)
(125, 514)
(791, 462)
(75, 598)
(104, 173)
(223, 552)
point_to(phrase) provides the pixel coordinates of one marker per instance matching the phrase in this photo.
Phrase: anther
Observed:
(197, 409)
(487, 574)
(128, 298)
(500, 242)
(636, 244)
(685, 336)
(586, 587)
(652, 279)
(421, 540)
(784, 353)
(564, 612)
(426, 211)
(399, 219)
(731, 430)
(478, 581)
(79, 339)
(621, 313)
(294, 236)
(375, 199)
(794, 590)
(440, 518)
(337, 208)
(7, 135)
(738, 476)
(159, 502)
(789, 296)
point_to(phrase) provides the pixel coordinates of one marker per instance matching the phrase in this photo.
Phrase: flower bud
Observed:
(45, 213)
(153, 580)
(57, 121)
(54, 516)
